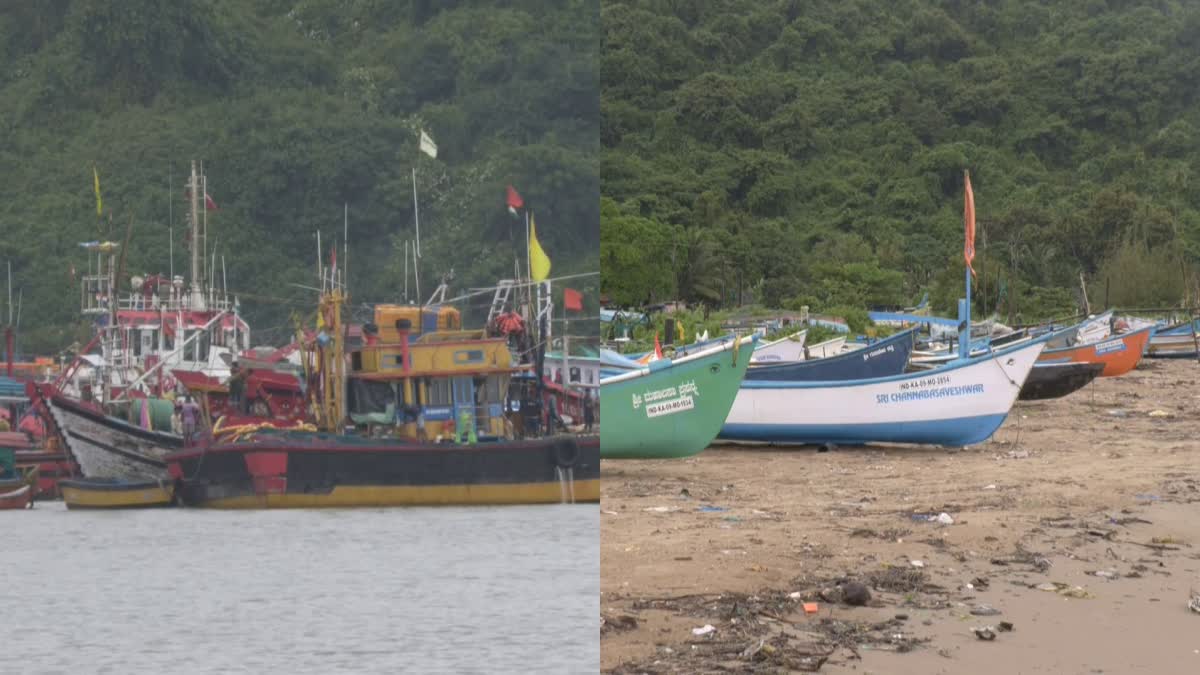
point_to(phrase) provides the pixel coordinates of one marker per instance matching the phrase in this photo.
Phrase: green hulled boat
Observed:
(673, 407)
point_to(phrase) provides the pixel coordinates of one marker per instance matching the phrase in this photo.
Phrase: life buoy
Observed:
(565, 452)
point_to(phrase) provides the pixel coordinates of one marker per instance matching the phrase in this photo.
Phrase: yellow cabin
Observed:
(440, 376)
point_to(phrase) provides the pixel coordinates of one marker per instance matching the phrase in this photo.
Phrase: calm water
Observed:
(483, 590)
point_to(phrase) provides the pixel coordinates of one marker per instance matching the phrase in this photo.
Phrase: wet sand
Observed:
(1079, 522)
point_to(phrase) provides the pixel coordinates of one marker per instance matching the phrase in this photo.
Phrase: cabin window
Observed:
(591, 376)
(468, 356)
(189, 347)
(202, 343)
(133, 338)
(575, 376)
(367, 397)
(439, 392)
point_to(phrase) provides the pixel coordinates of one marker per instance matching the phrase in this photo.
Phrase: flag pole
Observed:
(406, 270)
(417, 276)
(964, 338)
(171, 219)
(345, 244)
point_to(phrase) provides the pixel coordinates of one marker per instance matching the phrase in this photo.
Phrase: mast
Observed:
(198, 243)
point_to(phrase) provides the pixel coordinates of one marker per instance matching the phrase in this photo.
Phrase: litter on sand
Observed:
(704, 630)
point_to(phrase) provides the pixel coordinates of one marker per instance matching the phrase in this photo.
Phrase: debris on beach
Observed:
(704, 630)
(984, 610)
(1194, 601)
(855, 593)
(987, 633)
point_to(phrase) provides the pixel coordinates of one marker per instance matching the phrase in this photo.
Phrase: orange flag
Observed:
(969, 221)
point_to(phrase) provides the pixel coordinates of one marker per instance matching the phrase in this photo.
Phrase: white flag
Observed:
(428, 146)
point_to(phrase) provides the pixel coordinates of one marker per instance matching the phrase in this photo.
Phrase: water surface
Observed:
(418, 590)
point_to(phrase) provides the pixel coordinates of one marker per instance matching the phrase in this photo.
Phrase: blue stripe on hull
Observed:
(960, 431)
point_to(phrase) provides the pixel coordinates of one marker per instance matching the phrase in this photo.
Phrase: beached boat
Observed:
(958, 404)
(1174, 342)
(888, 356)
(1119, 354)
(1055, 380)
(673, 407)
(95, 493)
(822, 350)
(787, 348)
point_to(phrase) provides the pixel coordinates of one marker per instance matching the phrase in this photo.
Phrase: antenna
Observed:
(416, 218)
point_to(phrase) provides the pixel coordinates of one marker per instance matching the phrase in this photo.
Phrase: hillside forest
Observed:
(302, 111)
(787, 153)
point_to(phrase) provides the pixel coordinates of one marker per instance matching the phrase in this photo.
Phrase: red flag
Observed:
(969, 222)
(333, 258)
(514, 201)
(657, 348)
(209, 204)
(572, 300)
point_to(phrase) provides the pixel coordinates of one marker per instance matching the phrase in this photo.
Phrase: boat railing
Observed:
(172, 303)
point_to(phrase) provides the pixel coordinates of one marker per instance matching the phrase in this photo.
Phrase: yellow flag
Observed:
(96, 175)
(539, 262)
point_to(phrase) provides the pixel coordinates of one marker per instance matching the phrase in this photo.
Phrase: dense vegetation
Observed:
(297, 107)
(812, 153)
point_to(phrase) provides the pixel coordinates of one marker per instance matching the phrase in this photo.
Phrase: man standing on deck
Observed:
(190, 414)
(589, 413)
(237, 387)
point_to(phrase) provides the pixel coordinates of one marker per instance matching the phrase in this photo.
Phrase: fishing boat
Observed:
(787, 348)
(823, 350)
(17, 485)
(289, 469)
(108, 407)
(672, 407)
(888, 356)
(96, 493)
(961, 403)
(1055, 380)
(1119, 354)
(427, 419)
(107, 446)
(955, 405)
(1177, 341)
(19, 496)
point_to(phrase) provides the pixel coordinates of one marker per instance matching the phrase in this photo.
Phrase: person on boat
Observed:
(237, 387)
(190, 415)
(553, 419)
(177, 418)
(589, 412)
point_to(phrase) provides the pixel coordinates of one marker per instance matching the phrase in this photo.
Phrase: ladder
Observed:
(500, 298)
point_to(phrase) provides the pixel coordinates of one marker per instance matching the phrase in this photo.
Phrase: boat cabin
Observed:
(417, 363)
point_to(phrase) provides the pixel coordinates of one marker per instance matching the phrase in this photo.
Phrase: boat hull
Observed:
(306, 470)
(1119, 354)
(886, 357)
(1176, 345)
(105, 494)
(108, 447)
(1055, 380)
(674, 409)
(20, 497)
(959, 404)
(789, 348)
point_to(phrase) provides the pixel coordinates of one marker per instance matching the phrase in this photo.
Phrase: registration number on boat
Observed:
(670, 407)
(1110, 347)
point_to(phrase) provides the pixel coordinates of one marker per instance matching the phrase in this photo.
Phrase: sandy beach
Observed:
(1072, 544)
